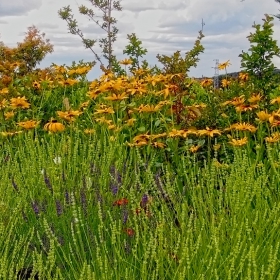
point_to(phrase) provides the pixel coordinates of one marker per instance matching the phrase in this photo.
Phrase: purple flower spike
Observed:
(144, 201)
(67, 197)
(59, 209)
(125, 215)
(35, 207)
(114, 188)
(116, 181)
(48, 182)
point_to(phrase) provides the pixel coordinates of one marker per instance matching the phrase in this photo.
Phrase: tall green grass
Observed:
(201, 220)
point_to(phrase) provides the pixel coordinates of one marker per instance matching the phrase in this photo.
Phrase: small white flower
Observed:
(42, 171)
(57, 160)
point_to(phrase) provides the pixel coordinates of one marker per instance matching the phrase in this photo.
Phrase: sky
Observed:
(163, 26)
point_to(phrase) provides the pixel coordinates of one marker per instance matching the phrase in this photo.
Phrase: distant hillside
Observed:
(236, 74)
(230, 75)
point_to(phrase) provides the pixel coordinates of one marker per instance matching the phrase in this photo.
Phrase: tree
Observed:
(258, 61)
(135, 50)
(105, 7)
(33, 49)
(277, 16)
(176, 64)
(27, 54)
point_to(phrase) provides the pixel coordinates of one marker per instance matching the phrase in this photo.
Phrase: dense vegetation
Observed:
(142, 173)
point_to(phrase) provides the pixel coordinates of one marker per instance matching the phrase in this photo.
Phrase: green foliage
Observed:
(96, 203)
(117, 69)
(33, 49)
(135, 51)
(258, 61)
(177, 64)
(107, 25)
(60, 221)
(28, 53)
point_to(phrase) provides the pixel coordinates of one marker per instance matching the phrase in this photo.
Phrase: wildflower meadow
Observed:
(143, 173)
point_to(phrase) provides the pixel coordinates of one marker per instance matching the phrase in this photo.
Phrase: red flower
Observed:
(120, 202)
(129, 231)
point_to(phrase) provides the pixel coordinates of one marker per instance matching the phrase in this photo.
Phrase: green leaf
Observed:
(157, 123)
(142, 129)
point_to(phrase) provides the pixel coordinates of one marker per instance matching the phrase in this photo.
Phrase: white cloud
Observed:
(164, 27)
(18, 7)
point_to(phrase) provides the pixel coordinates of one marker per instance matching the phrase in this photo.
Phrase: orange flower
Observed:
(153, 79)
(141, 139)
(263, 116)
(68, 82)
(129, 231)
(156, 136)
(19, 102)
(138, 144)
(245, 108)
(54, 126)
(126, 61)
(275, 100)
(130, 122)
(236, 101)
(3, 103)
(224, 65)
(36, 85)
(83, 70)
(4, 91)
(28, 124)
(194, 149)
(275, 123)
(169, 89)
(121, 202)
(9, 133)
(71, 72)
(9, 115)
(137, 87)
(68, 115)
(255, 98)
(225, 83)
(191, 130)
(243, 76)
(103, 120)
(275, 116)
(158, 145)
(239, 142)
(209, 132)
(242, 127)
(89, 131)
(116, 97)
(206, 82)
(84, 105)
(148, 108)
(177, 133)
(107, 110)
(275, 137)
(60, 69)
